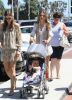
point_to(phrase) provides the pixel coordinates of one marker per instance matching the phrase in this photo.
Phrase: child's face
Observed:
(35, 63)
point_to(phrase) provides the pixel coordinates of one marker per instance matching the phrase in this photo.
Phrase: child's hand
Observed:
(34, 76)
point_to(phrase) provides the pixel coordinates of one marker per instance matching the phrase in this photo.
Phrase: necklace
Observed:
(41, 28)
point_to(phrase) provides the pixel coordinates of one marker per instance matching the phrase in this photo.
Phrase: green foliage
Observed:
(15, 2)
(1, 8)
(59, 6)
(33, 9)
(9, 2)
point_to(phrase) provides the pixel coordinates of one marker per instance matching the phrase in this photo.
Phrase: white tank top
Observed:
(57, 34)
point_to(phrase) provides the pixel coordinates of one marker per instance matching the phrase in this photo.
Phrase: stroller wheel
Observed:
(38, 94)
(46, 89)
(43, 94)
(20, 93)
(67, 91)
(31, 91)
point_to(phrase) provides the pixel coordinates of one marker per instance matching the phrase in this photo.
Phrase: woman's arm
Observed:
(65, 29)
(32, 39)
(18, 37)
(49, 37)
(1, 34)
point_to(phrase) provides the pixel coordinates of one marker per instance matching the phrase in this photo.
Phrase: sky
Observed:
(7, 6)
(5, 3)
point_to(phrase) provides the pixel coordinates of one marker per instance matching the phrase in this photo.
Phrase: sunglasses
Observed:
(8, 18)
(42, 15)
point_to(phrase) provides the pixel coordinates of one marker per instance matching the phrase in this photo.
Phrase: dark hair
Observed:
(5, 24)
(57, 15)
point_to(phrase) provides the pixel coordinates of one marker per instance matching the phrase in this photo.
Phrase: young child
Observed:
(33, 72)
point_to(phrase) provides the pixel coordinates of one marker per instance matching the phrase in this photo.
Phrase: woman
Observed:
(10, 38)
(58, 28)
(42, 31)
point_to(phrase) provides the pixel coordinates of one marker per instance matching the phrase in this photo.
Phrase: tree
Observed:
(34, 8)
(15, 2)
(59, 6)
(30, 9)
(9, 2)
(1, 9)
(1, 4)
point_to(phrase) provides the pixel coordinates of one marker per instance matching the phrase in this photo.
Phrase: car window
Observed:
(26, 29)
(26, 23)
(68, 24)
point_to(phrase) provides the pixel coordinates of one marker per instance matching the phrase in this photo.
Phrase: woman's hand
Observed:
(17, 53)
(0, 45)
(32, 40)
(45, 41)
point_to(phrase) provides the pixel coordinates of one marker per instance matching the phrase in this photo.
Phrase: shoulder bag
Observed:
(64, 41)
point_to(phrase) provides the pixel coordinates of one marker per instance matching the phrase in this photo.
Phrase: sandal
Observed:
(50, 79)
(11, 93)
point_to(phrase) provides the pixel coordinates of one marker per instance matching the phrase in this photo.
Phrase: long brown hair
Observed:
(5, 24)
(46, 21)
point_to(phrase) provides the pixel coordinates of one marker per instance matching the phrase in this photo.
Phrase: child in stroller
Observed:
(33, 71)
(34, 75)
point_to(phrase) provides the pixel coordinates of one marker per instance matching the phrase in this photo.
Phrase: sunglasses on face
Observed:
(8, 18)
(42, 15)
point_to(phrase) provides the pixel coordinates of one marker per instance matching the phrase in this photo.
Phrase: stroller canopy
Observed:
(38, 49)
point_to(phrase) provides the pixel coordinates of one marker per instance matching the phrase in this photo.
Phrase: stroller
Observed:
(36, 63)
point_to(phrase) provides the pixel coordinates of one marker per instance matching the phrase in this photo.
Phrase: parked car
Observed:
(69, 25)
(26, 30)
(27, 22)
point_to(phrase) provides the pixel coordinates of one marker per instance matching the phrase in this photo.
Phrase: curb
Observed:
(63, 96)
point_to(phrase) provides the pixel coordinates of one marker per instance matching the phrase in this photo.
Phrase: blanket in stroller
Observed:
(33, 76)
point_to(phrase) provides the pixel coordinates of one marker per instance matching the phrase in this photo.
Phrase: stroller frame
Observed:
(41, 86)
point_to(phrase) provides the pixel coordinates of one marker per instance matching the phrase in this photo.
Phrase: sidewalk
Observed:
(56, 87)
